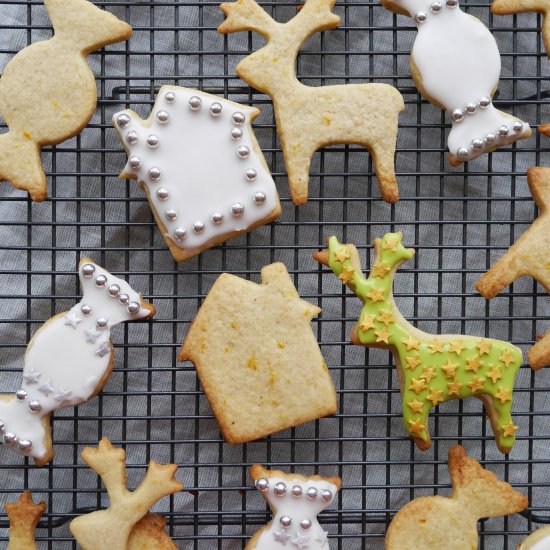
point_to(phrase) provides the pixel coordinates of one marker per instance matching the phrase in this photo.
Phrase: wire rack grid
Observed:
(459, 220)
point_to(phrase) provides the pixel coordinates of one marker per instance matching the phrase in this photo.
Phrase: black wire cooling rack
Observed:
(459, 220)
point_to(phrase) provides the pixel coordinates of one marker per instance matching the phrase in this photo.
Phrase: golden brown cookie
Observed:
(257, 357)
(24, 516)
(112, 528)
(48, 92)
(310, 118)
(529, 255)
(436, 523)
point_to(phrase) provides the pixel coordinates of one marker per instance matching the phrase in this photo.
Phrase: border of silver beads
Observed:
(435, 8)
(243, 152)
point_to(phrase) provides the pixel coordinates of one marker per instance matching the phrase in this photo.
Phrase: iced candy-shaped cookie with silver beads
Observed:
(201, 167)
(68, 360)
(295, 501)
(455, 63)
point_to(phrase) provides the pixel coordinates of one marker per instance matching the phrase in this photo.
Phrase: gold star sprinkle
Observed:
(474, 364)
(367, 323)
(504, 394)
(428, 374)
(457, 347)
(383, 335)
(435, 397)
(476, 384)
(347, 275)
(390, 244)
(380, 270)
(509, 429)
(342, 255)
(376, 295)
(484, 347)
(506, 357)
(386, 317)
(418, 385)
(450, 369)
(411, 343)
(494, 373)
(415, 427)
(413, 361)
(436, 346)
(415, 406)
(454, 388)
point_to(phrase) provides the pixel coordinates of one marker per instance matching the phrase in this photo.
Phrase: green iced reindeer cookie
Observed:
(431, 369)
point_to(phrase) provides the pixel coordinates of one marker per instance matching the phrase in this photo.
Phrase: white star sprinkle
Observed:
(72, 319)
(31, 376)
(46, 388)
(63, 395)
(103, 350)
(92, 335)
(281, 536)
(301, 541)
(322, 537)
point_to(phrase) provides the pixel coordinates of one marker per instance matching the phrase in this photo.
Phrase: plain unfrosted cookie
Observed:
(257, 357)
(529, 255)
(431, 368)
(68, 360)
(113, 528)
(436, 523)
(310, 118)
(295, 502)
(455, 64)
(198, 161)
(24, 516)
(538, 540)
(48, 92)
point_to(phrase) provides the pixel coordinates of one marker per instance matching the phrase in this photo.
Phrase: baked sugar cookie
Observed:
(538, 540)
(24, 516)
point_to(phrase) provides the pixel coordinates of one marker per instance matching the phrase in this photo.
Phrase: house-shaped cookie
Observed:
(257, 357)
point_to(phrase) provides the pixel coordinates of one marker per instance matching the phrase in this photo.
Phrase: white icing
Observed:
(459, 63)
(543, 544)
(199, 165)
(275, 536)
(62, 365)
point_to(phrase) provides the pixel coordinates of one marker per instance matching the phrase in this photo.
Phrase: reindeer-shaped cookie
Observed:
(24, 516)
(437, 523)
(113, 528)
(309, 118)
(68, 360)
(431, 369)
(295, 501)
(529, 255)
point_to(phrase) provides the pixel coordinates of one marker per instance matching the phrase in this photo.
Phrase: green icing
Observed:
(483, 366)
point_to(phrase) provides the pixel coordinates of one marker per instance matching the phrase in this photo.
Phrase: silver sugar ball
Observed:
(243, 151)
(21, 395)
(195, 103)
(25, 446)
(280, 489)
(326, 495)
(134, 162)
(88, 270)
(85, 309)
(236, 133)
(239, 118)
(123, 299)
(503, 130)
(484, 102)
(251, 174)
(457, 115)
(471, 108)
(101, 322)
(198, 227)
(179, 234)
(296, 491)
(420, 17)
(123, 120)
(237, 209)
(132, 137)
(452, 3)
(2, 427)
(162, 194)
(154, 173)
(436, 7)
(312, 493)
(100, 280)
(170, 97)
(152, 141)
(490, 139)
(217, 218)
(35, 406)
(285, 521)
(163, 117)
(477, 143)
(262, 484)
(114, 291)
(133, 307)
(305, 524)
(10, 438)
(171, 215)
(259, 198)
(518, 126)
(462, 153)
(216, 109)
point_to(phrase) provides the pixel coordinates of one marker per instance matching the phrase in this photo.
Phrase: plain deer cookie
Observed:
(68, 360)
(257, 356)
(431, 369)
(434, 523)
(295, 502)
(48, 92)
(201, 167)
(310, 118)
(529, 255)
(125, 525)
(24, 516)
(455, 64)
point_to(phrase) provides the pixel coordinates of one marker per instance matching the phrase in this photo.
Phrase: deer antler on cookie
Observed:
(24, 516)
(111, 528)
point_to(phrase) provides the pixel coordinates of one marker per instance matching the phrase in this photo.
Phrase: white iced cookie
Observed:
(295, 501)
(204, 173)
(68, 360)
(455, 63)
(538, 540)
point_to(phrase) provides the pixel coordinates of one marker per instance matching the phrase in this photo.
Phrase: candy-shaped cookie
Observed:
(125, 525)
(432, 369)
(24, 516)
(68, 360)
(435, 523)
(455, 64)
(295, 502)
(538, 540)
(310, 118)
(201, 167)
(48, 92)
